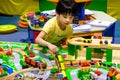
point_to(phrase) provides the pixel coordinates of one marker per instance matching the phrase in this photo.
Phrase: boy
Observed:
(58, 28)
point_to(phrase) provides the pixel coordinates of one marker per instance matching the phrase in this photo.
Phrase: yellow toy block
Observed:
(62, 66)
(64, 74)
(60, 58)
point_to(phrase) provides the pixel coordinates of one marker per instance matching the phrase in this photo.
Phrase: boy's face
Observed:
(65, 19)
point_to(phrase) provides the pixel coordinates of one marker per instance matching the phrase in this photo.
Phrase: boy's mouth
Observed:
(66, 23)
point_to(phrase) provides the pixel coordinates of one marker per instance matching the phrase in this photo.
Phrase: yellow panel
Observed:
(64, 74)
(113, 8)
(75, 0)
(60, 58)
(62, 66)
(18, 7)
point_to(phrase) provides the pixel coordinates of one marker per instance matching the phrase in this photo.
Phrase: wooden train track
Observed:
(78, 41)
(12, 76)
(56, 60)
(20, 51)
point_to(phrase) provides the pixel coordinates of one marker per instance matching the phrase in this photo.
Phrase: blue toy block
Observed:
(81, 11)
(117, 32)
(60, 76)
(110, 32)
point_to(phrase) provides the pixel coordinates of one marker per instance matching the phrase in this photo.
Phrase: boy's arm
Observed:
(40, 40)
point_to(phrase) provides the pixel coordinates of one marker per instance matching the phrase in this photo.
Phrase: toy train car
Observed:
(108, 64)
(41, 64)
(79, 63)
(76, 64)
(100, 42)
(27, 60)
(87, 40)
(34, 63)
(93, 62)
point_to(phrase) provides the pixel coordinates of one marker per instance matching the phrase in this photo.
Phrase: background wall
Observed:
(99, 5)
(46, 5)
(110, 7)
(113, 8)
(19, 7)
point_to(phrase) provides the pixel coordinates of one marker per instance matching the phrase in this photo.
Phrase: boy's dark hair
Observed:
(67, 7)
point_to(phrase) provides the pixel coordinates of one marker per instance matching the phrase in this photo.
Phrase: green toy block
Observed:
(79, 74)
(44, 49)
(68, 74)
(118, 66)
(72, 50)
(109, 64)
(22, 62)
(98, 50)
(4, 74)
(53, 70)
(109, 55)
(88, 53)
(50, 57)
(37, 12)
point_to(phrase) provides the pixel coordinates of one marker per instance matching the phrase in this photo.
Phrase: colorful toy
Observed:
(59, 67)
(1, 51)
(8, 28)
(35, 19)
(23, 22)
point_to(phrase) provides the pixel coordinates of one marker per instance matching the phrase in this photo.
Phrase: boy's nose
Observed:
(67, 19)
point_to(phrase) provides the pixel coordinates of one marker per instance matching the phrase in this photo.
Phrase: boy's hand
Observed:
(53, 48)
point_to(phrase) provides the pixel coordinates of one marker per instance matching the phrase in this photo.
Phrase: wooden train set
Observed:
(63, 65)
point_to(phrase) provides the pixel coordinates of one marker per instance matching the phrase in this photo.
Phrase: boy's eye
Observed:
(64, 16)
(71, 17)
(68, 17)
